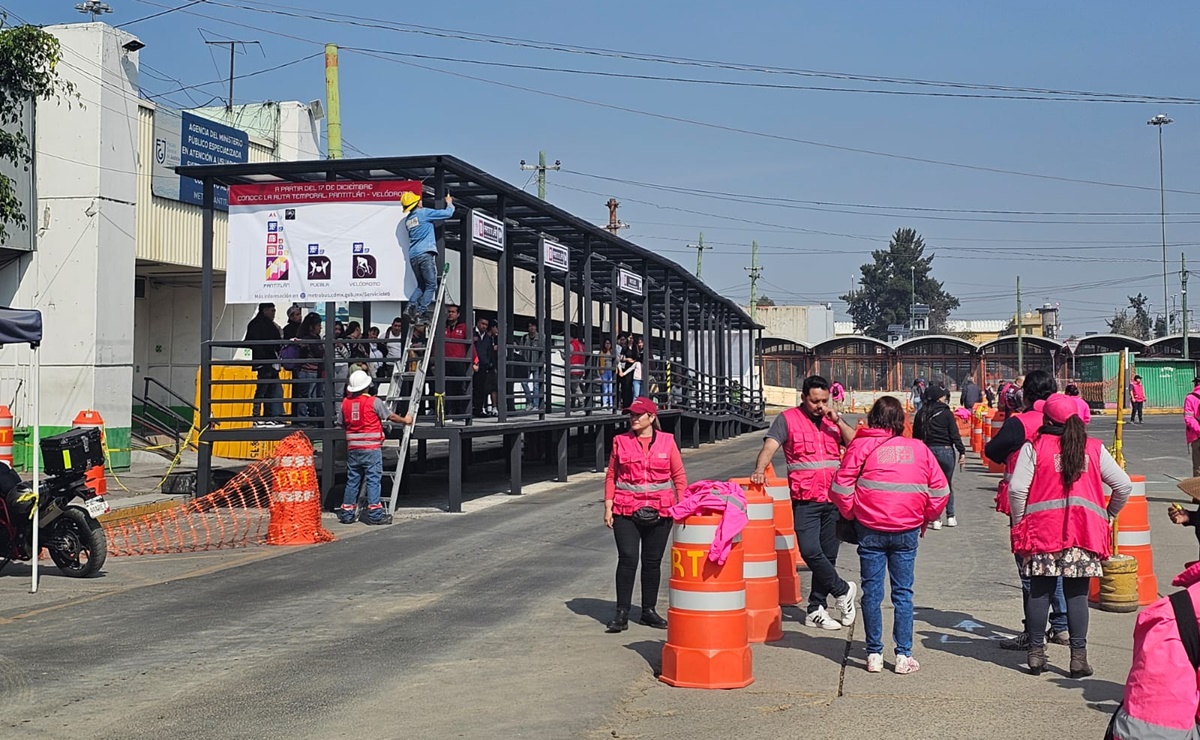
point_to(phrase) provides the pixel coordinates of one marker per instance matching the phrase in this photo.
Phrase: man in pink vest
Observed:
(812, 436)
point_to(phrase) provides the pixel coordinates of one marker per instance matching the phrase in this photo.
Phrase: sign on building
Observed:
(182, 139)
(318, 241)
(630, 282)
(487, 231)
(558, 257)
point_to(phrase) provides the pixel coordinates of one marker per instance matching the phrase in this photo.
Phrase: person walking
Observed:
(1060, 524)
(268, 391)
(1018, 429)
(917, 394)
(363, 416)
(645, 478)
(837, 395)
(1085, 411)
(422, 251)
(971, 395)
(812, 436)
(891, 486)
(1137, 397)
(936, 427)
(1191, 424)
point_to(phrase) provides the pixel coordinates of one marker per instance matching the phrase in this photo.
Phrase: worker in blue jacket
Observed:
(422, 251)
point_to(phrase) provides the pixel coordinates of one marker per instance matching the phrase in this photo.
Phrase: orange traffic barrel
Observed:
(787, 553)
(1133, 539)
(770, 471)
(95, 475)
(908, 426)
(976, 432)
(763, 616)
(6, 436)
(707, 645)
(997, 421)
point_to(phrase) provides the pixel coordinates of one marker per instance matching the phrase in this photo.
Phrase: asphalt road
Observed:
(489, 625)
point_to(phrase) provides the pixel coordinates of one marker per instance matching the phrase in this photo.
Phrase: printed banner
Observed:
(318, 241)
(630, 282)
(487, 231)
(187, 139)
(557, 256)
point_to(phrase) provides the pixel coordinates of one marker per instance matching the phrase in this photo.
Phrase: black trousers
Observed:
(1136, 415)
(652, 541)
(816, 534)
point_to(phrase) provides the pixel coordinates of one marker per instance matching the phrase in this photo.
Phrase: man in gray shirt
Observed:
(530, 346)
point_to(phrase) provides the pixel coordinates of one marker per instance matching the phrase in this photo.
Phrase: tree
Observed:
(1138, 325)
(886, 293)
(28, 56)
(1160, 327)
(764, 301)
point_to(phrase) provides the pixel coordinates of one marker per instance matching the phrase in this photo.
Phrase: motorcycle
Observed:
(67, 525)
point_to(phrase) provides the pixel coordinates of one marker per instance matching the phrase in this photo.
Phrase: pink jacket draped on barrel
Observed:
(889, 483)
(715, 497)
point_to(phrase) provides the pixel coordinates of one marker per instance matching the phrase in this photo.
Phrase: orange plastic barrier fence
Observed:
(271, 501)
(763, 616)
(707, 645)
(1133, 539)
(787, 552)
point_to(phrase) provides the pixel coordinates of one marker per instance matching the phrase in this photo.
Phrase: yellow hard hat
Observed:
(408, 200)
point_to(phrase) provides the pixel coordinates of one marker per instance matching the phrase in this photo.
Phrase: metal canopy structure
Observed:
(699, 345)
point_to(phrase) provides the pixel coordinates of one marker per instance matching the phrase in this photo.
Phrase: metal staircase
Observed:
(400, 376)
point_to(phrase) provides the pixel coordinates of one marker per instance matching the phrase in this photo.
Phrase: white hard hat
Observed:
(359, 381)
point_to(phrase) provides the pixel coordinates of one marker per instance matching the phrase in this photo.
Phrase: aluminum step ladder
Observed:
(399, 376)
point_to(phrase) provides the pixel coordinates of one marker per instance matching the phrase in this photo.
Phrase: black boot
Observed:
(650, 618)
(619, 623)
(1079, 664)
(1037, 659)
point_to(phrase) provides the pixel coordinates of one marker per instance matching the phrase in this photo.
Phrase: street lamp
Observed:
(1158, 122)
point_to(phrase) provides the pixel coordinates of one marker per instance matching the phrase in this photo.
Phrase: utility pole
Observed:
(754, 271)
(699, 254)
(541, 168)
(1020, 333)
(1158, 122)
(912, 309)
(333, 105)
(614, 224)
(232, 50)
(1183, 277)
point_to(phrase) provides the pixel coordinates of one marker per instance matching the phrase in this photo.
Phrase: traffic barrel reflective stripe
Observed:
(787, 554)
(707, 646)
(764, 617)
(6, 436)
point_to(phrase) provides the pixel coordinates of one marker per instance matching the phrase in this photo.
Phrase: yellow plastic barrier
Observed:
(243, 392)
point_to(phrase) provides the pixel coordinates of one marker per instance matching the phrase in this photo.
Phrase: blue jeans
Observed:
(307, 386)
(895, 552)
(1058, 602)
(425, 269)
(363, 465)
(947, 456)
(606, 380)
(533, 390)
(637, 388)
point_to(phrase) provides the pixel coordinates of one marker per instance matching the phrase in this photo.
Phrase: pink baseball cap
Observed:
(642, 405)
(1057, 408)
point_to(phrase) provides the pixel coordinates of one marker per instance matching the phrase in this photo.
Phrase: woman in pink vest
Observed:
(645, 478)
(1137, 394)
(892, 486)
(1060, 525)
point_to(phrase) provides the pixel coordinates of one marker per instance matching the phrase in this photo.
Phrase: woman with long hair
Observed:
(1060, 524)
(935, 425)
(645, 478)
(892, 487)
(606, 361)
(308, 383)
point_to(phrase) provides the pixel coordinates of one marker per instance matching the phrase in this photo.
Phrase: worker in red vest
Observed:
(645, 478)
(1061, 523)
(812, 436)
(363, 416)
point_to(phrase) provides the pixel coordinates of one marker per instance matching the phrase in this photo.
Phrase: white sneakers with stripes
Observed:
(820, 618)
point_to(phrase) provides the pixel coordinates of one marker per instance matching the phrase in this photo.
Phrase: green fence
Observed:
(1167, 381)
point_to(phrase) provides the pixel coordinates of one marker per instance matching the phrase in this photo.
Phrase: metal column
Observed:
(504, 308)
(541, 300)
(203, 448)
(588, 339)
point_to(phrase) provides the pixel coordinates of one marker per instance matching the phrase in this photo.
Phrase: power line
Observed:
(159, 14)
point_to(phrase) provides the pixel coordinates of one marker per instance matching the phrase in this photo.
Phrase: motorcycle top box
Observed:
(73, 452)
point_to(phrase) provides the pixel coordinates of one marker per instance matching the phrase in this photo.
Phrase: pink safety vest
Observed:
(1056, 519)
(364, 430)
(643, 477)
(813, 456)
(1032, 421)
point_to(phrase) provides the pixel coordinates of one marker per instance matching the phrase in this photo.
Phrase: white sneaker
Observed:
(951, 521)
(906, 664)
(936, 524)
(820, 618)
(874, 663)
(845, 605)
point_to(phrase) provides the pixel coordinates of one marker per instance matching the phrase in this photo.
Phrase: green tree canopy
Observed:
(765, 301)
(1139, 325)
(885, 294)
(28, 56)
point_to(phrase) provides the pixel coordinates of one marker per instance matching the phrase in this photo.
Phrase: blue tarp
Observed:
(20, 326)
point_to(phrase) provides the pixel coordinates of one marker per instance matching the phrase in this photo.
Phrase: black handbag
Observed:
(846, 531)
(646, 516)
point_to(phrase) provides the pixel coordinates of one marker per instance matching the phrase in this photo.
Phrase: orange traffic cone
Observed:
(707, 645)
(764, 617)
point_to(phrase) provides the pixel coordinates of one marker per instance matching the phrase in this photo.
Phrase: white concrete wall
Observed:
(299, 136)
(810, 324)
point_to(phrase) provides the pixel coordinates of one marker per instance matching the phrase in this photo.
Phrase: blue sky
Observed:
(809, 252)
